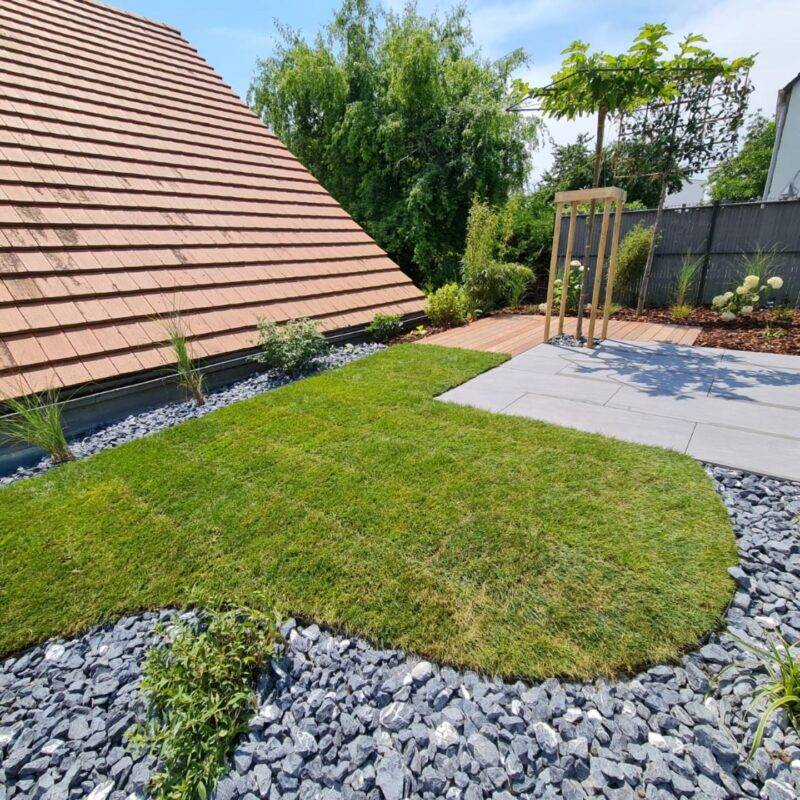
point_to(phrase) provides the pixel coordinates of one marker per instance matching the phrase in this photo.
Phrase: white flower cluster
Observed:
(744, 299)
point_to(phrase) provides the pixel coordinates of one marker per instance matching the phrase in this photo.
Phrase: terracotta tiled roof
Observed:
(134, 183)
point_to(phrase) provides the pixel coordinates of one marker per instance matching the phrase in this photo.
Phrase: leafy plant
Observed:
(447, 306)
(632, 257)
(680, 312)
(783, 687)
(189, 377)
(199, 694)
(518, 281)
(746, 297)
(782, 314)
(37, 420)
(384, 327)
(690, 266)
(290, 348)
(489, 283)
(573, 292)
(773, 333)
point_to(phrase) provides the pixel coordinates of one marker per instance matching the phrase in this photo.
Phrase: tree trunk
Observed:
(648, 267)
(587, 249)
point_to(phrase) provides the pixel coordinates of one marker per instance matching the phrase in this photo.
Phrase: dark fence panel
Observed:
(721, 236)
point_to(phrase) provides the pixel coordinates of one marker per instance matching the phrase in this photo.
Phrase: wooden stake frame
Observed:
(606, 196)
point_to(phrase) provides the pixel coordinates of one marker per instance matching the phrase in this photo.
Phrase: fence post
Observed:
(701, 284)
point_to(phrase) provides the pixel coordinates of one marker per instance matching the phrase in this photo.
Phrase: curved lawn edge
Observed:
(352, 498)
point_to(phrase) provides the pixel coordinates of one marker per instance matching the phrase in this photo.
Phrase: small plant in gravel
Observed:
(447, 306)
(190, 379)
(782, 690)
(385, 327)
(290, 348)
(200, 695)
(36, 420)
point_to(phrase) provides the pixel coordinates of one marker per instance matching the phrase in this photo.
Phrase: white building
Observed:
(783, 180)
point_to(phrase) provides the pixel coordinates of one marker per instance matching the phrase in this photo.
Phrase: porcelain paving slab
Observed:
(737, 409)
(630, 426)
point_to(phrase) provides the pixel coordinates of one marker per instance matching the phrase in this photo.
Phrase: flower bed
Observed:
(761, 331)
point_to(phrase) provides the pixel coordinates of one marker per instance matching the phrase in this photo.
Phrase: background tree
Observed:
(744, 176)
(573, 168)
(403, 121)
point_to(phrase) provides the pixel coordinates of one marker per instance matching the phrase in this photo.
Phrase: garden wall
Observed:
(720, 235)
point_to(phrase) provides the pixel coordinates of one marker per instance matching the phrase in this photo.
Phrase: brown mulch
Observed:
(759, 332)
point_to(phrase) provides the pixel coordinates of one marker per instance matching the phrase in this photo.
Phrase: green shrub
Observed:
(447, 306)
(290, 348)
(486, 287)
(199, 694)
(632, 258)
(518, 281)
(36, 420)
(384, 327)
(526, 231)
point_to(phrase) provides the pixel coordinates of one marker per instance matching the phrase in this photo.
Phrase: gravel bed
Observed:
(341, 719)
(137, 426)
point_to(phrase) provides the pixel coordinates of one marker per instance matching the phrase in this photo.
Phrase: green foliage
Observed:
(526, 231)
(518, 281)
(357, 499)
(447, 306)
(403, 122)
(633, 250)
(36, 420)
(290, 348)
(489, 283)
(782, 690)
(573, 168)
(690, 267)
(761, 263)
(744, 176)
(190, 379)
(782, 314)
(199, 694)
(681, 311)
(384, 327)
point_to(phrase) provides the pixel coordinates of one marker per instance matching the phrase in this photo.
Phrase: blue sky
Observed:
(231, 34)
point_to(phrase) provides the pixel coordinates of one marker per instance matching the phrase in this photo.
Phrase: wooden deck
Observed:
(515, 334)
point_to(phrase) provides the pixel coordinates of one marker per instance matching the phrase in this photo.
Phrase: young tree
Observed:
(744, 176)
(403, 121)
(603, 84)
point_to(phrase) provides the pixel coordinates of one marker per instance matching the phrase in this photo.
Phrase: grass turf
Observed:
(355, 499)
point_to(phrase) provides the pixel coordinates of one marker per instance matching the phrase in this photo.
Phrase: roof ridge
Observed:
(125, 13)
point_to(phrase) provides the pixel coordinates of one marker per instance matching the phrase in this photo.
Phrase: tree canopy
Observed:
(403, 121)
(573, 168)
(744, 176)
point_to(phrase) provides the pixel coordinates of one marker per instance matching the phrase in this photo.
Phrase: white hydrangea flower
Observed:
(728, 296)
(575, 263)
(751, 282)
(741, 290)
(543, 308)
(717, 301)
(727, 316)
(747, 309)
(775, 282)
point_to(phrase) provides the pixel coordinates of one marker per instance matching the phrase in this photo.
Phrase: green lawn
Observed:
(355, 499)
